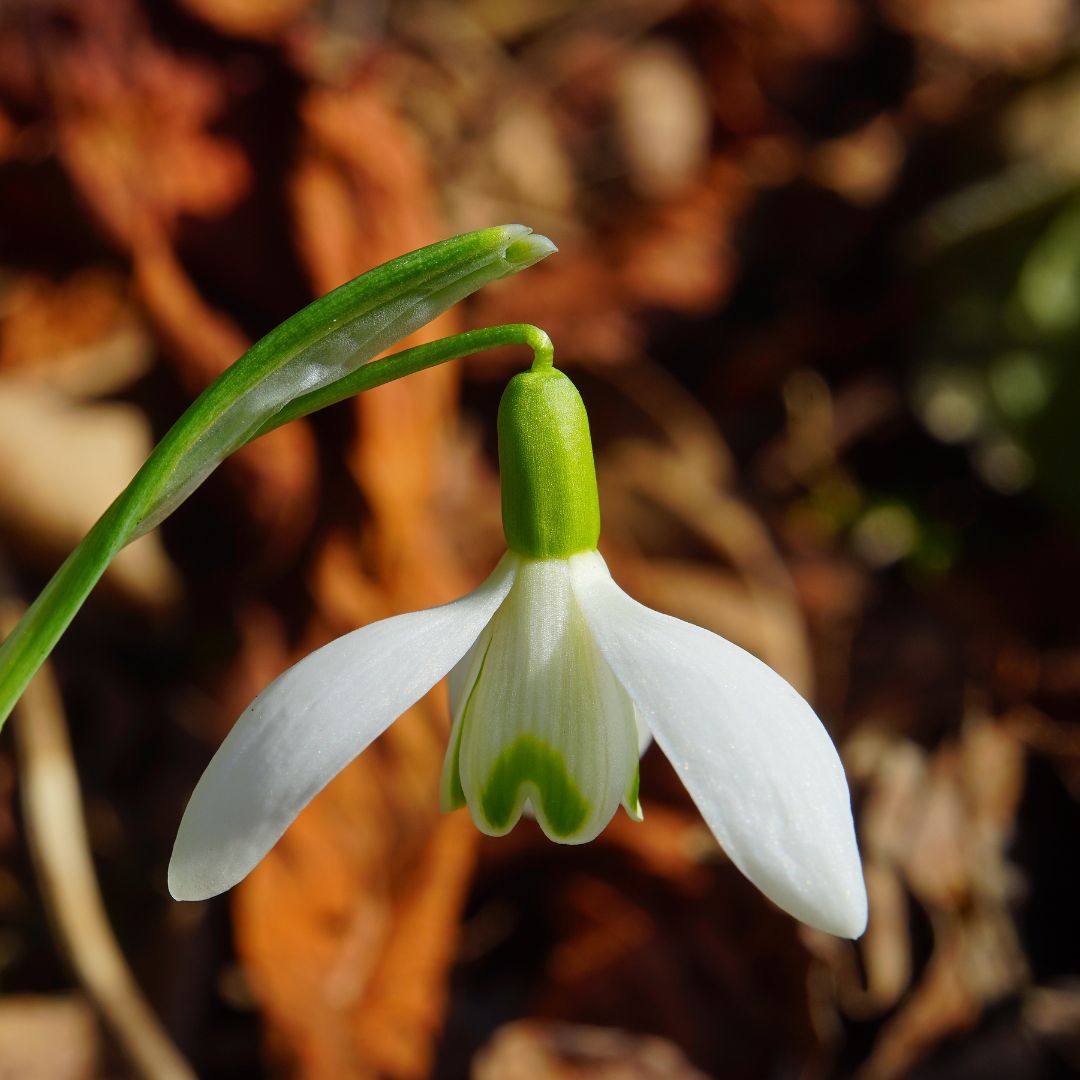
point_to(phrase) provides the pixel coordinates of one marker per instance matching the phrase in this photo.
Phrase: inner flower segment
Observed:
(540, 721)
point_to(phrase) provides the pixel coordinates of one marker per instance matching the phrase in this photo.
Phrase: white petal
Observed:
(752, 754)
(546, 720)
(308, 724)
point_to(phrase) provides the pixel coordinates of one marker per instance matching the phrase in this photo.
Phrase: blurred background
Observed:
(819, 284)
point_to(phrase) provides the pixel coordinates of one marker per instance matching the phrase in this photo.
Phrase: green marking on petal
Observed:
(528, 761)
(632, 802)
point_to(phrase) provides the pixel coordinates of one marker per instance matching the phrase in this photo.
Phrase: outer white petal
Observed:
(752, 754)
(311, 722)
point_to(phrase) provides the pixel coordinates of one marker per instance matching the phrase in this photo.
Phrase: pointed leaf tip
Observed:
(529, 250)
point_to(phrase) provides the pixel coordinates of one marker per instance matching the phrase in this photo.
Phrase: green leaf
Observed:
(307, 362)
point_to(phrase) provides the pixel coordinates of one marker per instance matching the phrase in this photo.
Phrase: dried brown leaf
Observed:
(277, 471)
(533, 1050)
(49, 1038)
(131, 125)
(663, 119)
(80, 335)
(63, 462)
(260, 19)
(993, 34)
(940, 1005)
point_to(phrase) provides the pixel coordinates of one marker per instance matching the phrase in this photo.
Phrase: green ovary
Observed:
(530, 762)
(550, 505)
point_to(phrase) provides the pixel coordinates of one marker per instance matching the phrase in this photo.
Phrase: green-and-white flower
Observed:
(558, 680)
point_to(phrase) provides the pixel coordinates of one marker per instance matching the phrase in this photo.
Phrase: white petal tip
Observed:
(845, 922)
(842, 912)
(190, 884)
(855, 925)
(179, 889)
(201, 867)
(206, 859)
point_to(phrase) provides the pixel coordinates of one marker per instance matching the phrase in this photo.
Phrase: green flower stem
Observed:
(309, 361)
(410, 361)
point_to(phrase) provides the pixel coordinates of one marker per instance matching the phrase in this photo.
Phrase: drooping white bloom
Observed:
(558, 680)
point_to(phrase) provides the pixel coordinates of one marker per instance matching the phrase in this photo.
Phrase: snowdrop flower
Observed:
(558, 680)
